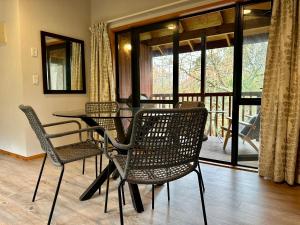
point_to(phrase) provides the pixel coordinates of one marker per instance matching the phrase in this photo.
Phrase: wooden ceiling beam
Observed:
(223, 29)
(197, 47)
(228, 40)
(181, 27)
(160, 50)
(191, 45)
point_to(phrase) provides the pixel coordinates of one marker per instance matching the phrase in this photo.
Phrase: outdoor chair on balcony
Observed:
(63, 154)
(188, 105)
(249, 131)
(106, 123)
(164, 146)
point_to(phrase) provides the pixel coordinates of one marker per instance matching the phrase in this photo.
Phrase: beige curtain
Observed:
(102, 82)
(76, 78)
(280, 123)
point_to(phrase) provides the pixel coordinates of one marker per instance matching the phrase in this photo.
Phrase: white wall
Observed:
(24, 19)
(65, 17)
(12, 137)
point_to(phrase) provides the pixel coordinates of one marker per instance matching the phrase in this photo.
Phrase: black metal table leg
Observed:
(134, 190)
(136, 197)
(90, 191)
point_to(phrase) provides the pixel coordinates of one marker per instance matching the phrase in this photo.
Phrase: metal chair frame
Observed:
(60, 155)
(107, 124)
(164, 146)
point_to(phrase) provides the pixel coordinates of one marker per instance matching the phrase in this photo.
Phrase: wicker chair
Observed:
(63, 154)
(250, 130)
(188, 105)
(164, 146)
(105, 123)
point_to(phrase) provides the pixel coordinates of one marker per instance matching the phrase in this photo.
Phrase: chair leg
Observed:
(168, 188)
(227, 136)
(96, 169)
(152, 196)
(123, 194)
(39, 178)
(101, 158)
(252, 144)
(202, 182)
(56, 193)
(83, 166)
(100, 171)
(202, 197)
(106, 193)
(96, 166)
(120, 201)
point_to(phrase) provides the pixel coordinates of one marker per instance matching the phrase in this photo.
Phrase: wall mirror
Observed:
(63, 64)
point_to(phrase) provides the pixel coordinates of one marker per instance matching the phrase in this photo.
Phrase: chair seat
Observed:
(151, 176)
(77, 151)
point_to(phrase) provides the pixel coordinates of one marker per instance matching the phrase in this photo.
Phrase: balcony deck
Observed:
(213, 149)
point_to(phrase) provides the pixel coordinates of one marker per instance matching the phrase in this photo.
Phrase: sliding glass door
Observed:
(216, 57)
(156, 60)
(256, 20)
(124, 68)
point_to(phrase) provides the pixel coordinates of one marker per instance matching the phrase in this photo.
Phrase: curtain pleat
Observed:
(76, 77)
(102, 82)
(280, 120)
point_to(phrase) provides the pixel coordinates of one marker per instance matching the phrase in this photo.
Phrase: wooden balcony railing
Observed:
(216, 102)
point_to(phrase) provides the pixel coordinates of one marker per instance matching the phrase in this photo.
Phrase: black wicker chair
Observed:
(63, 154)
(188, 105)
(164, 146)
(107, 123)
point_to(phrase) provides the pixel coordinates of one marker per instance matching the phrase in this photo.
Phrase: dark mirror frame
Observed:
(45, 34)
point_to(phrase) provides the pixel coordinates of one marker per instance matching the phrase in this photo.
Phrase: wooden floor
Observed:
(232, 198)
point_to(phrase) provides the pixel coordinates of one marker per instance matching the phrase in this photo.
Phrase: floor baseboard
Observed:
(14, 155)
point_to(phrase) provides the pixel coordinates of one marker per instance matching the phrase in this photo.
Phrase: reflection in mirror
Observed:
(63, 64)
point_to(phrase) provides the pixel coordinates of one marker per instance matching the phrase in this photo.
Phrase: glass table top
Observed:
(123, 112)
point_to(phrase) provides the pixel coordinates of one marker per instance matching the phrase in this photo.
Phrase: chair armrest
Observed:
(245, 123)
(61, 123)
(115, 144)
(241, 122)
(109, 138)
(229, 118)
(73, 132)
(65, 122)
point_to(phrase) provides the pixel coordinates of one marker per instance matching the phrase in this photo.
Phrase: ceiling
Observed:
(217, 26)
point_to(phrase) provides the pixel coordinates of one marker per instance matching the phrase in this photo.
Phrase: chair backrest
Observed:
(40, 133)
(254, 130)
(162, 138)
(103, 107)
(94, 107)
(188, 105)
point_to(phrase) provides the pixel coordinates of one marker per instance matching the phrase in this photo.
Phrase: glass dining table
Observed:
(124, 113)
